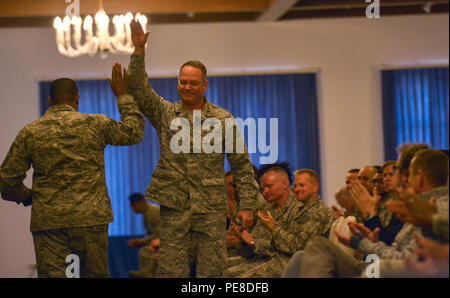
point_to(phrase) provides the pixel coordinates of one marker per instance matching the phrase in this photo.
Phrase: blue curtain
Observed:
(290, 98)
(415, 108)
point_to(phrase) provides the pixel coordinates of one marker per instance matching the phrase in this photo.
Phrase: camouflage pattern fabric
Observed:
(188, 237)
(152, 223)
(89, 244)
(199, 175)
(298, 223)
(65, 149)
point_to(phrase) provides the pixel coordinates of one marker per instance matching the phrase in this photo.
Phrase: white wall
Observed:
(347, 52)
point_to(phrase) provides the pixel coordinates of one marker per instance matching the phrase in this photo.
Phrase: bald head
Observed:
(280, 174)
(276, 186)
(365, 176)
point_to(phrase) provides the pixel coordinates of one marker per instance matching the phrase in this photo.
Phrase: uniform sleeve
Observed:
(130, 129)
(243, 171)
(155, 219)
(263, 242)
(396, 250)
(149, 102)
(318, 222)
(13, 170)
(440, 220)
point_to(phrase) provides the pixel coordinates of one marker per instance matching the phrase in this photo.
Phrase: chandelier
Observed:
(69, 36)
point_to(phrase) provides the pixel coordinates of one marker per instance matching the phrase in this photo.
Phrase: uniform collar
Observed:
(206, 109)
(60, 107)
(312, 202)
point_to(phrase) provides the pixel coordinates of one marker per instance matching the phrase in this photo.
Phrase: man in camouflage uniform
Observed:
(189, 184)
(321, 258)
(71, 208)
(283, 228)
(149, 245)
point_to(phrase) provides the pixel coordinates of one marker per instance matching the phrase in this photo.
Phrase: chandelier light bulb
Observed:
(69, 34)
(57, 23)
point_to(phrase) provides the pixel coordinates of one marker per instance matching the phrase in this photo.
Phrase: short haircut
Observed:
(342, 192)
(389, 163)
(278, 170)
(406, 153)
(313, 176)
(196, 64)
(378, 169)
(136, 197)
(284, 165)
(63, 90)
(229, 173)
(355, 171)
(434, 164)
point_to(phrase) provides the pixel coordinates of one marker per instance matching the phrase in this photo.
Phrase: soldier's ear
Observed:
(77, 100)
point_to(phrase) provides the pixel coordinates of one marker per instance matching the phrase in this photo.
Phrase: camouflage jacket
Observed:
(404, 243)
(199, 176)
(298, 223)
(152, 223)
(65, 148)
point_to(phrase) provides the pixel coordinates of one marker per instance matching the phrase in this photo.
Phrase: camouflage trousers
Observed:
(90, 244)
(147, 262)
(256, 267)
(188, 238)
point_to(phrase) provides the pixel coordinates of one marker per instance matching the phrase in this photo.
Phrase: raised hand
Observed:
(413, 209)
(358, 228)
(118, 82)
(267, 220)
(139, 37)
(428, 247)
(365, 203)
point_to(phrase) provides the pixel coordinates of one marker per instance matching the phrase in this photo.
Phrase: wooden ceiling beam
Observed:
(27, 8)
(277, 9)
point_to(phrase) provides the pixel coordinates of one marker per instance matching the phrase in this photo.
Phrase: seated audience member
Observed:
(149, 245)
(284, 165)
(323, 259)
(345, 201)
(379, 184)
(282, 228)
(352, 175)
(428, 173)
(372, 209)
(365, 177)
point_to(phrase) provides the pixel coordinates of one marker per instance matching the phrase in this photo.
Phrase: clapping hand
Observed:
(365, 203)
(413, 209)
(267, 220)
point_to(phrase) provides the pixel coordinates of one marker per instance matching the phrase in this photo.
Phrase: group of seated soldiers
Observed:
(392, 222)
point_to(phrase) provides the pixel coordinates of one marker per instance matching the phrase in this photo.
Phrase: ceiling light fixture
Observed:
(69, 34)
